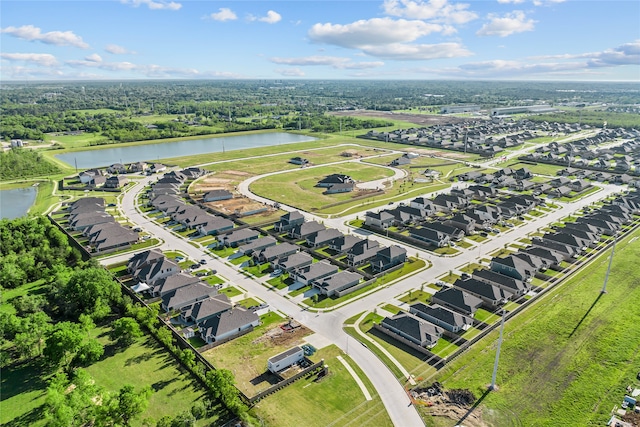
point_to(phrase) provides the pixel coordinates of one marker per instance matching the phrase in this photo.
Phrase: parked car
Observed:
(194, 266)
(276, 272)
(203, 261)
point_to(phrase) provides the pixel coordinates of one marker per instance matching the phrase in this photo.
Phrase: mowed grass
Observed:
(298, 188)
(336, 400)
(144, 363)
(568, 358)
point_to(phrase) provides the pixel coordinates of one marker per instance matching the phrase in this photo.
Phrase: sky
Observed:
(585, 40)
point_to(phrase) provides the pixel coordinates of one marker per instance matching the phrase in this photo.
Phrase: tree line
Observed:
(24, 163)
(49, 328)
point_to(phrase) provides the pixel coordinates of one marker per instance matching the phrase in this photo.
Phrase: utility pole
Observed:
(492, 387)
(606, 277)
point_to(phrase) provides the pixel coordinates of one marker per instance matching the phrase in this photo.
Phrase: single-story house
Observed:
(441, 316)
(228, 324)
(414, 329)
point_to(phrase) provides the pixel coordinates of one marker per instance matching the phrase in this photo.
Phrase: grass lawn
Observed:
(444, 347)
(298, 188)
(416, 296)
(566, 359)
(141, 364)
(334, 401)
(249, 302)
(230, 291)
(410, 359)
(10, 294)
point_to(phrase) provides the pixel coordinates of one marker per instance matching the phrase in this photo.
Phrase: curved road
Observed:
(329, 324)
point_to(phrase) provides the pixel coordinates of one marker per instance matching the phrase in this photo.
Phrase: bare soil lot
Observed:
(418, 119)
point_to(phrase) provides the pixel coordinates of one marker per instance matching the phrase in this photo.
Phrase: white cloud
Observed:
(272, 17)
(224, 14)
(40, 59)
(510, 1)
(290, 72)
(154, 5)
(94, 57)
(626, 54)
(331, 61)
(434, 10)
(372, 32)
(546, 2)
(510, 23)
(147, 70)
(57, 38)
(563, 65)
(417, 52)
(118, 50)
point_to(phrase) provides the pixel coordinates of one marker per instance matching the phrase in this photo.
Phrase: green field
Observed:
(298, 188)
(567, 359)
(144, 363)
(333, 401)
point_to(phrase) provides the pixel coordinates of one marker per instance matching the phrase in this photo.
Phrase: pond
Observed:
(154, 152)
(16, 202)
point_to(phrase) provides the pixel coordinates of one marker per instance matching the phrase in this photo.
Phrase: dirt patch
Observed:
(418, 119)
(456, 405)
(280, 337)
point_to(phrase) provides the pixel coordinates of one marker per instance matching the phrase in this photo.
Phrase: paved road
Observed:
(329, 324)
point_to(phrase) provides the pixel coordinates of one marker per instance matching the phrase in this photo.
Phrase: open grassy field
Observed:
(298, 188)
(568, 358)
(141, 364)
(336, 400)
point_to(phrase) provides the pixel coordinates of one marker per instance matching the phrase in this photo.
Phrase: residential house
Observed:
(388, 257)
(202, 310)
(513, 267)
(239, 237)
(179, 298)
(441, 316)
(432, 237)
(382, 219)
(116, 181)
(215, 225)
(305, 229)
(292, 262)
(344, 243)
(534, 261)
(492, 296)
(323, 237)
(117, 168)
(299, 161)
(288, 221)
(81, 221)
(425, 205)
(338, 282)
(579, 185)
(507, 283)
(311, 273)
(457, 300)
(567, 252)
(414, 329)
(333, 179)
(171, 283)
(228, 324)
(160, 269)
(217, 195)
(340, 188)
(362, 252)
(138, 167)
(548, 256)
(454, 233)
(579, 244)
(143, 259)
(257, 245)
(270, 253)
(463, 222)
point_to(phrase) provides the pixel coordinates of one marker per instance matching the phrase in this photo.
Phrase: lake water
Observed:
(166, 150)
(16, 203)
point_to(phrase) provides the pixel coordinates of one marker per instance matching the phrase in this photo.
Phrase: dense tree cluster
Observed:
(78, 401)
(595, 118)
(32, 249)
(24, 163)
